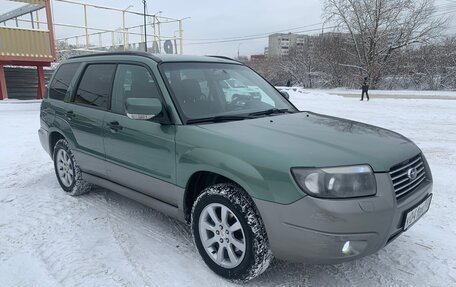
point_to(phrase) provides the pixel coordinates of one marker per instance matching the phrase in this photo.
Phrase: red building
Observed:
(257, 57)
(31, 46)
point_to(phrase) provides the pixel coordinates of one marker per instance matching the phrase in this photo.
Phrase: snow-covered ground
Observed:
(398, 94)
(102, 239)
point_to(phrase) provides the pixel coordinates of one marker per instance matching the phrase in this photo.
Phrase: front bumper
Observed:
(315, 230)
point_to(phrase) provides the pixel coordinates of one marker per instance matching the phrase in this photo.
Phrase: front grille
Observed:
(404, 184)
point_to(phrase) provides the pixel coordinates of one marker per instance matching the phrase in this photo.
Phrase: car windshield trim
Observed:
(223, 118)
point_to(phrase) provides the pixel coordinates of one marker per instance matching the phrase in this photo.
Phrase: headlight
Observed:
(337, 182)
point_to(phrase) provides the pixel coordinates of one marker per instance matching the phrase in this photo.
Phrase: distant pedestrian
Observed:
(365, 88)
(289, 83)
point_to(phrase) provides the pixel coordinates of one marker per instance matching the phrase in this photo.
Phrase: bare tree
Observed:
(379, 28)
(299, 65)
(331, 49)
(272, 70)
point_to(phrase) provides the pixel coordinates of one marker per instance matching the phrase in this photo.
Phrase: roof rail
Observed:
(223, 57)
(130, 53)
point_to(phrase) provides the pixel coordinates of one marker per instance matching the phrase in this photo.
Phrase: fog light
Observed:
(354, 247)
(347, 250)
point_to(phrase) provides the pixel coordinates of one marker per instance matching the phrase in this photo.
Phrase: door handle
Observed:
(115, 126)
(70, 115)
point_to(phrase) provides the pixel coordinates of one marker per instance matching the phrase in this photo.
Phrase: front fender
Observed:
(233, 168)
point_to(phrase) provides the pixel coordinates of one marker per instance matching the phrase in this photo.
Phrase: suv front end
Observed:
(333, 230)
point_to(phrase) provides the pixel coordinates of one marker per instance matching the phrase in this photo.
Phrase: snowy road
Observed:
(103, 239)
(392, 94)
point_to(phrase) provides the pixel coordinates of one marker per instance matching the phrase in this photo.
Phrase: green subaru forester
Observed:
(254, 177)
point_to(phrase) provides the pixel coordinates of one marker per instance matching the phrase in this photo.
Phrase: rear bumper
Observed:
(44, 140)
(315, 230)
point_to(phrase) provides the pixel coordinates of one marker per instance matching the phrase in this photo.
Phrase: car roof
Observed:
(162, 58)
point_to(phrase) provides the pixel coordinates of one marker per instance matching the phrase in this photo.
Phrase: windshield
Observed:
(234, 83)
(207, 90)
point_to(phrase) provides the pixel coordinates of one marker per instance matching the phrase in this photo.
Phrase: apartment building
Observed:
(281, 43)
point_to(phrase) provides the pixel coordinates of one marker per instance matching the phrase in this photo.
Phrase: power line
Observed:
(254, 35)
(255, 38)
(208, 41)
(451, 11)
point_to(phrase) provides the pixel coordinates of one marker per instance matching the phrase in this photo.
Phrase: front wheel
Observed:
(229, 233)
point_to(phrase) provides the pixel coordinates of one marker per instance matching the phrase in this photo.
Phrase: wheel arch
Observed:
(199, 168)
(199, 181)
(54, 137)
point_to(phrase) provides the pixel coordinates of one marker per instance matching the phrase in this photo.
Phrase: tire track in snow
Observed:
(126, 243)
(124, 210)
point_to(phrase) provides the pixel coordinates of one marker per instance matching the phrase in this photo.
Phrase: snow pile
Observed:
(102, 239)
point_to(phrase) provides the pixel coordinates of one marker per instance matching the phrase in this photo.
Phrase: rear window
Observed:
(62, 80)
(95, 86)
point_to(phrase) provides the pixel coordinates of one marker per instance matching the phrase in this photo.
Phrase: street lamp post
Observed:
(239, 46)
(145, 29)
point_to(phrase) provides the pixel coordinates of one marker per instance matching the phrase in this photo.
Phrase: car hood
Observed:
(307, 139)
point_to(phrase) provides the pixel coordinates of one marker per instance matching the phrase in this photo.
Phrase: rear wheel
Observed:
(67, 170)
(229, 233)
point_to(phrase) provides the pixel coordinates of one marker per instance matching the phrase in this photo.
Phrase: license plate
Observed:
(416, 213)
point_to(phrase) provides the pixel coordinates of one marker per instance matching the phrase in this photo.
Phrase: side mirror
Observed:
(285, 95)
(143, 109)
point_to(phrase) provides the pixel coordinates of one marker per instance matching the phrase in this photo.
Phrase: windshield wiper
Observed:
(270, 112)
(217, 119)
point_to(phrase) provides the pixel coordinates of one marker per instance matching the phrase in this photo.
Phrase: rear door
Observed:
(86, 113)
(54, 104)
(140, 154)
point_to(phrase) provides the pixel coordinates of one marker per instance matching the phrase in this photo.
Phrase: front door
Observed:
(86, 113)
(140, 154)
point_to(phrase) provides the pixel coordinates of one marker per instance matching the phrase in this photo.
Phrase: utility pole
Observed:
(86, 28)
(239, 46)
(145, 29)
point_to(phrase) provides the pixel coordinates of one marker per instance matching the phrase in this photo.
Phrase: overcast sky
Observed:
(210, 21)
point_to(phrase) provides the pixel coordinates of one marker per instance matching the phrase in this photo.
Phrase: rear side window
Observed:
(95, 86)
(62, 80)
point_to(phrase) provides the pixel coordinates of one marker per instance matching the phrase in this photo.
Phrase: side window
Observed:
(62, 80)
(95, 85)
(132, 81)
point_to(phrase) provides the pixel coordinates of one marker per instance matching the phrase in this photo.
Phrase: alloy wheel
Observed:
(222, 235)
(65, 168)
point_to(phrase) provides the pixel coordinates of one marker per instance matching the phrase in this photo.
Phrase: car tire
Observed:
(67, 170)
(248, 254)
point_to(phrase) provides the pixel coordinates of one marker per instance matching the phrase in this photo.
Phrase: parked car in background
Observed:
(254, 177)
